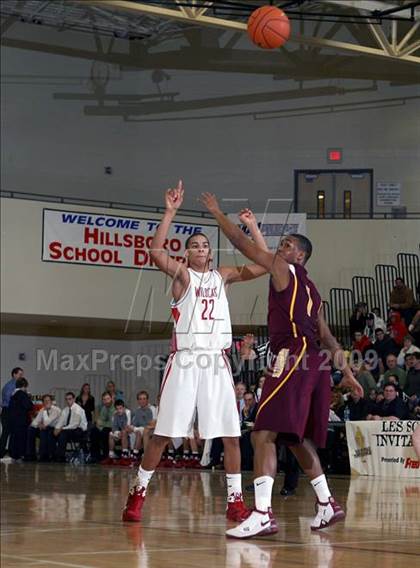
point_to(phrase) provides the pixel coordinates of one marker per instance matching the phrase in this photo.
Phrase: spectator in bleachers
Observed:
(140, 419)
(87, 401)
(259, 388)
(248, 415)
(42, 426)
(6, 394)
(391, 407)
(364, 377)
(412, 384)
(337, 400)
(398, 329)
(384, 346)
(103, 426)
(373, 322)
(361, 342)
(358, 319)
(402, 299)
(240, 390)
(115, 393)
(393, 369)
(70, 427)
(119, 433)
(355, 408)
(414, 328)
(407, 348)
(20, 406)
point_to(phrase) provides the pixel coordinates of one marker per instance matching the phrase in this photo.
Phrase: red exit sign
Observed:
(334, 155)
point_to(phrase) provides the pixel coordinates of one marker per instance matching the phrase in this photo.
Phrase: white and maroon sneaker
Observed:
(327, 514)
(134, 505)
(259, 523)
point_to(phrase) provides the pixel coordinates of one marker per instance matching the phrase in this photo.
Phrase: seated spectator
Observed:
(358, 319)
(398, 329)
(103, 425)
(373, 322)
(407, 348)
(414, 328)
(240, 390)
(361, 342)
(391, 407)
(141, 418)
(384, 345)
(364, 377)
(337, 400)
(115, 393)
(402, 299)
(87, 402)
(70, 427)
(249, 411)
(20, 406)
(119, 433)
(42, 426)
(393, 369)
(412, 384)
(355, 408)
(260, 384)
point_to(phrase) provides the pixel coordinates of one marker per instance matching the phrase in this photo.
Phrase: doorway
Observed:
(334, 194)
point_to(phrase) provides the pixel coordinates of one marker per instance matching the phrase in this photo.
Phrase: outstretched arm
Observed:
(328, 341)
(264, 258)
(160, 256)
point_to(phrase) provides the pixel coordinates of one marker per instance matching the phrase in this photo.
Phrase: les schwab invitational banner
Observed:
(383, 447)
(111, 240)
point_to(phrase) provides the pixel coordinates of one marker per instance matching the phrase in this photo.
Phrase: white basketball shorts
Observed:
(197, 382)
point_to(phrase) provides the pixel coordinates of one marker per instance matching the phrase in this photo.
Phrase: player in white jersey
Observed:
(198, 378)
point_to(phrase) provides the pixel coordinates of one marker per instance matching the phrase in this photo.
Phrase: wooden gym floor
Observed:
(69, 516)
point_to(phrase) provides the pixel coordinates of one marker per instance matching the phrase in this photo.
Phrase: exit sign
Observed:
(334, 155)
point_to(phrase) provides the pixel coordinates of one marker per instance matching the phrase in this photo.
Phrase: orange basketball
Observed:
(268, 27)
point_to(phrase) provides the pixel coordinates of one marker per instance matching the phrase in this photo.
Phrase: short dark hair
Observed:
(143, 392)
(304, 244)
(187, 242)
(379, 329)
(105, 393)
(70, 394)
(119, 402)
(391, 385)
(16, 370)
(400, 278)
(44, 396)
(21, 383)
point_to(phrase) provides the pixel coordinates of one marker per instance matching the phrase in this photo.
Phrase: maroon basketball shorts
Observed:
(295, 398)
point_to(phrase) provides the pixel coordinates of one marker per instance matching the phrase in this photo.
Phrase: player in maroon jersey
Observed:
(294, 404)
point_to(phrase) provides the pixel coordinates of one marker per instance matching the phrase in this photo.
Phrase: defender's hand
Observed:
(209, 201)
(247, 217)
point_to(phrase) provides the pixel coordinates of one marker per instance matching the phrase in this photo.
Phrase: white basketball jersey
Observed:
(202, 319)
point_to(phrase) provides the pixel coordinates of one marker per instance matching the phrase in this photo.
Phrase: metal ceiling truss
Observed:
(394, 25)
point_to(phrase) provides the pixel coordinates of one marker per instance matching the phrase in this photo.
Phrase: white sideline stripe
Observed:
(44, 561)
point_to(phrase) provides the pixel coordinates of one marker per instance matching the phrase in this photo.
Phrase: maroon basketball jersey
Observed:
(293, 313)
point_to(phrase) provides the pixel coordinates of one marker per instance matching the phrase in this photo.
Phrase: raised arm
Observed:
(158, 253)
(329, 342)
(266, 259)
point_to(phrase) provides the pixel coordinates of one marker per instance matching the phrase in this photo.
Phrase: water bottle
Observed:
(346, 414)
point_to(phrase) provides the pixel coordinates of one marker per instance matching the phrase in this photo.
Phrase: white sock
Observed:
(234, 486)
(144, 477)
(321, 488)
(263, 486)
(112, 455)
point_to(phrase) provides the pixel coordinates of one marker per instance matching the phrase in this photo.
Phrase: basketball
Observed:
(268, 27)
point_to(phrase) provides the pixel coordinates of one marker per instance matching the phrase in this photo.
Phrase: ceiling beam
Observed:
(139, 7)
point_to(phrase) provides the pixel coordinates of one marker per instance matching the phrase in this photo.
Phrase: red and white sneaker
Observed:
(327, 514)
(194, 463)
(134, 505)
(259, 523)
(236, 510)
